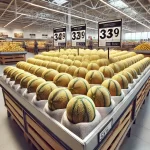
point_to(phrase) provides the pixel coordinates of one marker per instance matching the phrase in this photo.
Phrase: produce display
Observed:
(78, 85)
(143, 46)
(11, 47)
(41, 44)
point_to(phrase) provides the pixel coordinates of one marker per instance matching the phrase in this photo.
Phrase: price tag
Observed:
(109, 33)
(104, 131)
(59, 35)
(78, 35)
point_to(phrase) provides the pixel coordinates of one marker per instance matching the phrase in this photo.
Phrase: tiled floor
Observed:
(12, 138)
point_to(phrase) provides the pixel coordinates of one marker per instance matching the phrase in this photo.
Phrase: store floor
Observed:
(12, 137)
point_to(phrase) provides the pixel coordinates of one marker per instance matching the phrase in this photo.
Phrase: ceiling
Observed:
(47, 14)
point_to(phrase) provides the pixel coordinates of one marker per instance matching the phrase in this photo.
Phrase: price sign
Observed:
(109, 33)
(105, 131)
(59, 35)
(78, 35)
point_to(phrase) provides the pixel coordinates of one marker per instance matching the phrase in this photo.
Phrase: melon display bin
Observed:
(46, 133)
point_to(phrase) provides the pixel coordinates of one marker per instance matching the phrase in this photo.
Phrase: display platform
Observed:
(145, 53)
(47, 133)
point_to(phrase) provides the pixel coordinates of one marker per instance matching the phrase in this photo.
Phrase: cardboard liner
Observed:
(39, 103)
(118, 99)
(136, 80)
(81, 129)
(4, 77)
(11, 83)
(7, 80)
(56, 114)
(28, 96)
(126, 91)
(21, 91)
(104, 111)
(16, 87)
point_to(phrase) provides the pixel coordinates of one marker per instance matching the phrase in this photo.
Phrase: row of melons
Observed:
(59, 98)
(143, 46)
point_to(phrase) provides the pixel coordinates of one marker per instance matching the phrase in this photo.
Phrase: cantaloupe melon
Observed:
(80, 72)
(11, 71)
(31, 60)
(20, 76)
(107, 71)
(84, 64)
(28, 66)
(113, 86)
(72, 57)
(20, 64)
(44, 89)
(53, 65)
(71, 69)
(92, 66)
(7, 69)
(132, 72)
(33, 84)
(62, 68)
(49, 74)
(78, 86)
(128, 76)
(100, 96)
(40, 71)
(94, 77)
(62, 79)
(67, 62)
(45, 63)
(76, 63)
(122, 80)
(78, 58)
(59, 98)
(60, 60)
(102, 62)
(38, 62)
(115, 67)
(33, 69)
(121, 65)
(80, 109)
(13, 74)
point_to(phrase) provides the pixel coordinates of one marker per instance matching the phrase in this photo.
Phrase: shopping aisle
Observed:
(140, 133)
(11, 135)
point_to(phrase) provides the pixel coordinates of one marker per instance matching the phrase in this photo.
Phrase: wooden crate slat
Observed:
(44, 135)
(20, 112)
(20, 119)
(38, 139)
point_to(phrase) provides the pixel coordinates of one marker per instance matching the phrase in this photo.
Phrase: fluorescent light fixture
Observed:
(59, 2)
(12, 21)
(123, 13)
(118, 4)
(130, 11)
(28, 25)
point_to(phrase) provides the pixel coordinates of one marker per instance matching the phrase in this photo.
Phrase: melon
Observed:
(94, 57)
(31, 60)
(122, 80)
(71, 69)
(92, 66)
(100, 96)
(21, 64)
(49, 74)
(71, 57)
(128, 76)
(24, 81)
(137, 68)
(33, 69)
(62, 68)
(76, 63)
(113, 86)
(67, 62)
(11, 71)
(20, 76)
(59, 98)
(107, 71)
(121, 65)
(38, 62)
(64, 56)
(40, 71)
(78, 86)
(44, 89)
(7, 69)
(80, 72)
(33, 84)
(28, 66)
(115, 67)
(62, 79)
(13, 74)
(102, 62)
(84, 64)
(80, 109)
(132, 72)
(45, 63)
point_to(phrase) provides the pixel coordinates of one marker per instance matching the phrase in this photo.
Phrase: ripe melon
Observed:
(92, 66)
(64, 56)
(45, 63)
(44, 89)
(128, 76)
(102, 62)
(78, 58)
(100, 96)
(11, 71)
(28, 66)
(33, 84)
(71, 57)
(60, 60)
(137, 68)
(24, 81)
(80, 109)
(94, 77)
(59, 98)
(121, 65)
(49, 74)
(122, 80)
(7, 69)
(115, 67)
(20, 76)
(71, 69)
(94, 57)
(40, 71)
(76, 63)
(62, 68)
(62, 79)
(21, 64)
(38, 62)
(113, 86)
(80, 72)
(132, 72)
(67, 62)
(78, 86)
(13, 74)
(33, 69)
(31, 60)
(84, 64)
(107, 71)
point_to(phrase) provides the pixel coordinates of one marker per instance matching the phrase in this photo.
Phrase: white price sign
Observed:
(78, 35)
(59, 35)
(109, 33)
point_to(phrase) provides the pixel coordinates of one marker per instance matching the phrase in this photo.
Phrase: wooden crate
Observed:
(117, 134)
(13, 58)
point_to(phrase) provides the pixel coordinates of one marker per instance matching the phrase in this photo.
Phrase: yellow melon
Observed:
(92, 66)
(84, 64)
(115, 67)
(49, 74)
(80, 72)
(45, 63)
(31, 60)
(132, 72)
(107, 71)
(62, 68)
(76, 63)
(14, 73)
(71, 70)
(67, 62)
(40, 71)
(7, 69)
(102, 62)
(33, 69)
(21, 75)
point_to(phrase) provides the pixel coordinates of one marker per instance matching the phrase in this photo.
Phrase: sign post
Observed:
(78, 36)
(109, 34)
(59, 35)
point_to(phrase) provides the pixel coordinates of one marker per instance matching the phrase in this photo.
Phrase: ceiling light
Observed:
(59, 2)
(118, 3)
